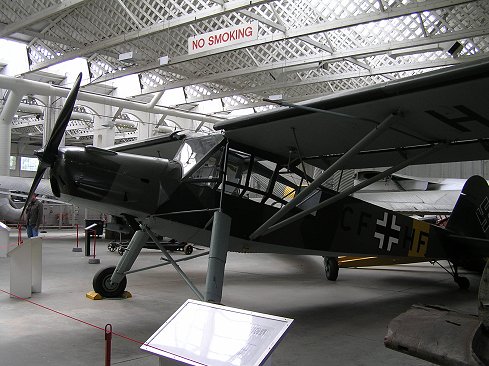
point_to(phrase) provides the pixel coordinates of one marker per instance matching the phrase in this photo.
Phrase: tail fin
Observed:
(470, 216)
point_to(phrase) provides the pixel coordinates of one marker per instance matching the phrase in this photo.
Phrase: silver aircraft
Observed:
(246, 188)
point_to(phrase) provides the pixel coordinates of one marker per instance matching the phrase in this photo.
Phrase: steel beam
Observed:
(360, 52)
(334, 77)
(199, 16)
(34, 87)
(49, 12)
(9, 109)
(299, 32)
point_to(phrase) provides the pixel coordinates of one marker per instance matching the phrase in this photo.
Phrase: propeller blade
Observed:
(51, 148)
(40, 172)
(47, 156)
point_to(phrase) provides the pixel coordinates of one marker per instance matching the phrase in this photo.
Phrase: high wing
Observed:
(448, 106)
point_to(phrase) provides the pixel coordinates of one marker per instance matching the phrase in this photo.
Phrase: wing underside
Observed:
(448, 106)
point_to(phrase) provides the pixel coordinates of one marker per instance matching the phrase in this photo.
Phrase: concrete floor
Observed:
(336, 323)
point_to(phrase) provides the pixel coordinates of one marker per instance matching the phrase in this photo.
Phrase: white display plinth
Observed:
(26, 268)
(169, 362)
(4, 240)
(21, 270)
(201, 333)
(36, 250)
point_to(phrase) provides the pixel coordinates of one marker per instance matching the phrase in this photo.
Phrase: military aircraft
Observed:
(252, 174)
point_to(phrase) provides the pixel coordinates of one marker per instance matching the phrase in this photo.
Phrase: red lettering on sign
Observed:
(198, 43)
(230, 36)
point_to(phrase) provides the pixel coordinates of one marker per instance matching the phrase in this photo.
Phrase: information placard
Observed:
(201, 333)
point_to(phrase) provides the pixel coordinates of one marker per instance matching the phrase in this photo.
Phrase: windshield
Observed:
(193, 149)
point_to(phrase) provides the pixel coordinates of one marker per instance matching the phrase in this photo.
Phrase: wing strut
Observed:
(338, 164)
(354, 189)
(153, 237)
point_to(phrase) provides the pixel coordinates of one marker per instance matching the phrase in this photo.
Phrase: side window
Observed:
(209, 173)
(195, 150)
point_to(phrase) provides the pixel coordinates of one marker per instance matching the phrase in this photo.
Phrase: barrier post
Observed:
(77, 249)
(19, 236)
(108, 343)
(94, 260)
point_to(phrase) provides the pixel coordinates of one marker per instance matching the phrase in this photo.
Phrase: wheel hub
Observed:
(108, 284)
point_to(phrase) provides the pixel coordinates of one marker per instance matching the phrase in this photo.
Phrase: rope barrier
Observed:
(104, 329)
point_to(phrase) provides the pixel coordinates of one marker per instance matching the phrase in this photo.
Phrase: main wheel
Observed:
(462, 282)
(331, 267)
(103, 286)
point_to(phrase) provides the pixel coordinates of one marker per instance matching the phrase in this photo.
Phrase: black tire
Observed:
(331, 268)
(101, 283)
(111, 247)
(120, 250)
(462, 282)
(188, 249)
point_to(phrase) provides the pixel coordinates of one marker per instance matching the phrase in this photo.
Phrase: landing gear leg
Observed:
(331, 268)
(217, 257)
(462, 282)
(110, 282)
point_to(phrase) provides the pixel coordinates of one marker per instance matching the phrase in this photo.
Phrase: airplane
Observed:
(9, 212)
(420, 196)
(227, 190)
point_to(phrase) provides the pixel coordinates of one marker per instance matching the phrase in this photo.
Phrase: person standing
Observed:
(34, 214)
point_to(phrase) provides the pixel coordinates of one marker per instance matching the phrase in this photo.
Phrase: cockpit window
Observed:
(194, 149)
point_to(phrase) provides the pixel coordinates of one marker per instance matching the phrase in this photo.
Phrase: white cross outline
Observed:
(381, 236)
(482, 213)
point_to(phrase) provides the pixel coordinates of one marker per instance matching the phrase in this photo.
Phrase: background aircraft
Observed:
(241, 176)
(411, 195)
(19, 187)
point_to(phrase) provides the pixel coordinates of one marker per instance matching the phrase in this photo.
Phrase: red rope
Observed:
(86, 323)
(49, 309)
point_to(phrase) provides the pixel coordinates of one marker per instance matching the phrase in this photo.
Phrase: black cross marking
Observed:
(482, 214)
(387, 228)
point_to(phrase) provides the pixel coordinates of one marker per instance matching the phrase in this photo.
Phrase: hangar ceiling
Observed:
(304, 48)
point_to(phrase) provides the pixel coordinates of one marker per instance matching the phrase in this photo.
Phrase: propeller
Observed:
(47, 155)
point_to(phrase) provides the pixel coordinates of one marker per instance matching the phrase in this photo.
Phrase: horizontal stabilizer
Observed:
(438, 335)
(474, 247)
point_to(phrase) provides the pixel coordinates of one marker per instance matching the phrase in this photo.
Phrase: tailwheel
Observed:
(462, 282)
(331, 268)
(188, 249)
(103, 286)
